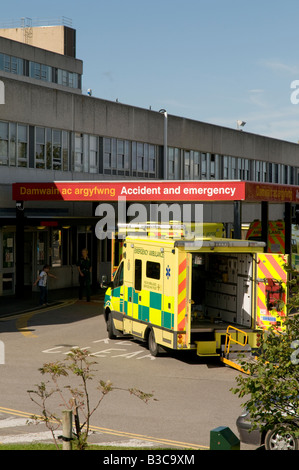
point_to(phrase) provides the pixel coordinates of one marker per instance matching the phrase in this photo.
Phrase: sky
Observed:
(216, 61)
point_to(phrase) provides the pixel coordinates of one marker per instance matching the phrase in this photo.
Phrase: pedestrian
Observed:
(42, 282)
(84, 269)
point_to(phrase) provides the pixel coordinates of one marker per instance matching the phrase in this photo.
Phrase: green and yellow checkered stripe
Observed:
(149, 307)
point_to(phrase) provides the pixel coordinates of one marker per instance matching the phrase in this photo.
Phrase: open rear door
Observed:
(271, 282)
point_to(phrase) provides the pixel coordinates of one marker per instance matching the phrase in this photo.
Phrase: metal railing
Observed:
(36, 22)
(229, 339)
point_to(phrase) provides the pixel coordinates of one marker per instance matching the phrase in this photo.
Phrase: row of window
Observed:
(39, 71)
(122, 157)
(188, 164)
(53, 149)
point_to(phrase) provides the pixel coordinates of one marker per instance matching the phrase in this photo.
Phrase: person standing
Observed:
(84, 269)
(42, 282)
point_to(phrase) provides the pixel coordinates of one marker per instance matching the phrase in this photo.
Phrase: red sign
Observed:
(155, 191)
(130, 190)
(271, 192)
(49, 223)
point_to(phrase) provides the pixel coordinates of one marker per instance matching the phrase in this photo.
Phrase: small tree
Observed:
(75, 398)
(271, 387)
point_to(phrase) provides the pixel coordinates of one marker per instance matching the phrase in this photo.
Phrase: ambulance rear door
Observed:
(271, 290)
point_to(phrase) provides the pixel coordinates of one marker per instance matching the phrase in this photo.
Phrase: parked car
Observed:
(272, 438)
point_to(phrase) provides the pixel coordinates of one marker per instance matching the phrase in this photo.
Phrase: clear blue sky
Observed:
(215, 61)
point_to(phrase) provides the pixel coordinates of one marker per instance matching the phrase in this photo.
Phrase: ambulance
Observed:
(210, 295)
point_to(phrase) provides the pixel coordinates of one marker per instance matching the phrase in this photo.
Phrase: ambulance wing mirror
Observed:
(105, 283)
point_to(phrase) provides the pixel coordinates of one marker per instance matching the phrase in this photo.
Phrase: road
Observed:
(191, 397)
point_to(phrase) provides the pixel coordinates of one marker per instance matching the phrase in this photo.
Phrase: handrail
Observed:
(229, 339)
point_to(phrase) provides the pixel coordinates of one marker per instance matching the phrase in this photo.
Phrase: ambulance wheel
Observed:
(152, 345)
(111, 334)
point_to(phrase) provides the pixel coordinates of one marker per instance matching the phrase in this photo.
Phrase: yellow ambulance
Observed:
(207, 294)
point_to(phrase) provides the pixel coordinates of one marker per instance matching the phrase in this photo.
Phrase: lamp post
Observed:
(165, 162)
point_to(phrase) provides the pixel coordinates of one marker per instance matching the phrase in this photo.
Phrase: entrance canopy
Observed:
(205, 191)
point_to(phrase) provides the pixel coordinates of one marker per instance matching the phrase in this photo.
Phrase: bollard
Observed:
(222, 438)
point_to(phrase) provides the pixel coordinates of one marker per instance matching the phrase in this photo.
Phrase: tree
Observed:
(73, 397)
(271, 387)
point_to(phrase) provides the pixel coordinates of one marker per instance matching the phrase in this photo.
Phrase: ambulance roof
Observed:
(212, 243)
(200, 243)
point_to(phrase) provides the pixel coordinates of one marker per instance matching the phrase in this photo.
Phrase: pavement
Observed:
(12, 305)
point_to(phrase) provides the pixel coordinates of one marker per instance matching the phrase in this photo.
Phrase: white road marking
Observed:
(128, 443)
(24, 438)
(107, 353)
(13, 422)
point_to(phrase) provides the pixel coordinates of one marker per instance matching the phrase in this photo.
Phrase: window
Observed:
(233, 168)
(134, 157)
(5, 62)
(187, 165)
(78, 163)
(3, 143)
(17, 66)
(93, 154)
(22, 146)
(171, 163)
(196, 157)
(40, 147)
(246, 172)
(65, 150)
(260, 171)
(225, 167)
(56, 248)
(140, 157)
(35, 70)
(125, 158)
(174, 162)
(204, 166)
(8, 250)
(120, 154)
(138, 274)
(152, 158)
(57, 150)
(119, 276)
(12, 144)
(107, 155)
(239, 168)
(153, 270)
(41, 247)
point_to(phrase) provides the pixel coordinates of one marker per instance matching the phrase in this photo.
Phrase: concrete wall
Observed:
(50, 38)
(37, 54)
(39, 105)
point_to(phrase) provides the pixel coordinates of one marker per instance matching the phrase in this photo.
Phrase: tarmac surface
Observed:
(11, 305)
(13, 427)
